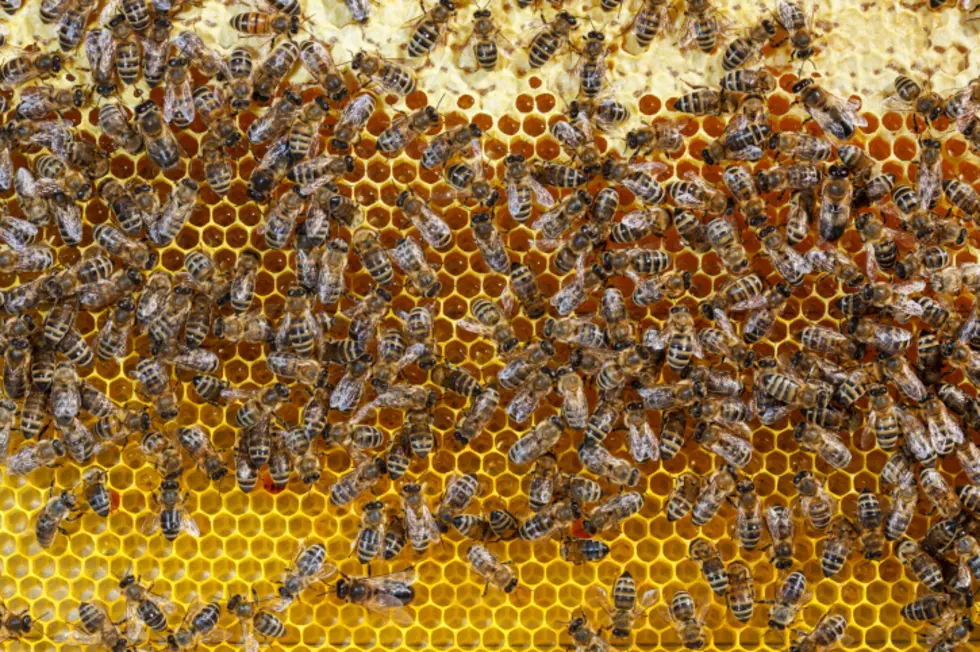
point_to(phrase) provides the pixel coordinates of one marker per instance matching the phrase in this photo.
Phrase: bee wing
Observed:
(689, 33)
(85, 638)
(870, 263)
(597, 597)
(513, 199)
(952, 427)
(383, 581)
(134, 624)
(653, 168)
(150, 524)
(6, 169)
(165, 604)
(189, 525)
(752, 303)
(249, 641)
(474, 327)
(547, 218)
(430, 524)
(867, 436)
(541, 194)
(648, 599)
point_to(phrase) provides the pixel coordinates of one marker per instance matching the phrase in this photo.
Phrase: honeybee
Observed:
(486, 564)
(430, 226)
(410, 258)
(939, 493)
(264, 623)
(522, 189)
(888, 340)
(790, 597)
(406, 129)
(478, 415)
(652, 19)
(385, 594)
(420, 525)
(316, 58)
(746, 48)
(351, 123)
(791, 265)
(161, 145)
(748, 522)
(94, 628)
(309, 566)
(178, 101)
(550, 38)
(444, 146)
(57, 509)
(171, 517)
(719, 486)
(702, 26)
(489, 243)
(712, 566)
(922, 565)
(837, 118)
(276, 120)
(816, 439)
(390, 76)
(273, 70)
(688, 620)
(428, 28)
(582, 551)
(639, 178)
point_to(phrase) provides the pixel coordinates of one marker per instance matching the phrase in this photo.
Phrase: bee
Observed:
(921, 565)
(740, 596)
(241, 64)
(405, 130)
(143, 608)
(795, 22)
(391, 77)
(712, 567)
(746, 48)
(371, 535)
(478, 415)
(366, 315)
(837, 118)
(830, 629)
(932, 606)
(547, 42)
(638, 178)
(95, 628)
(960, 195)
(612, 512)
(702, 26)
(523, 189)
(276, 120)
(604, 113)
(309, 567)
(837, 545)
(870, 525)
(384, 594)
(255, 23)
(782, 530)
(741, 141)
(485, 49)
(263, 402)
(36, 102)
(489, 242)
(410, 258)
(602, 463)
(526, 290)
(939, 493)
(420, 525)
(749, 81)
(316, 58)
(264, 623)
(351, 123)
(444, 146)
(199, 626)
(582, 551)
(156, 47)
(718, 488)
(394, 535)
(198, 445)
(57, 509)
(888, 340)
(815, 439)
(161, 145)
(489, 567)
(458, 494)
(280, 220)
(428, 28)
(356, 481)
(652, 19)
(688, 620)
(270, 73)
(172, 516)
(71, 24)
(374, 258)
(214, 110)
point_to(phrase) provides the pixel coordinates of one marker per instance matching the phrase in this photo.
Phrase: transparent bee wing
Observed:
(250, 642)
(474, 327)
(150, 524)
(870, 263)
(541, 194)
(513, 199)
(134, 625)
(786, 12)
(752, 303)
(653, 168)
(216, 635)
(189, 525)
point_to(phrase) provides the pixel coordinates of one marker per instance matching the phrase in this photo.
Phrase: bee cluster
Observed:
(592, 386)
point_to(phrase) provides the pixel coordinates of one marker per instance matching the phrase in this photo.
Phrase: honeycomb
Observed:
(247, 539)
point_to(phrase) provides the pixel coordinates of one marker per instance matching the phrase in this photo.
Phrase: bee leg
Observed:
(486, 588)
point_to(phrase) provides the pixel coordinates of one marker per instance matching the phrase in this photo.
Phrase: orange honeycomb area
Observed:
(247, 540)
